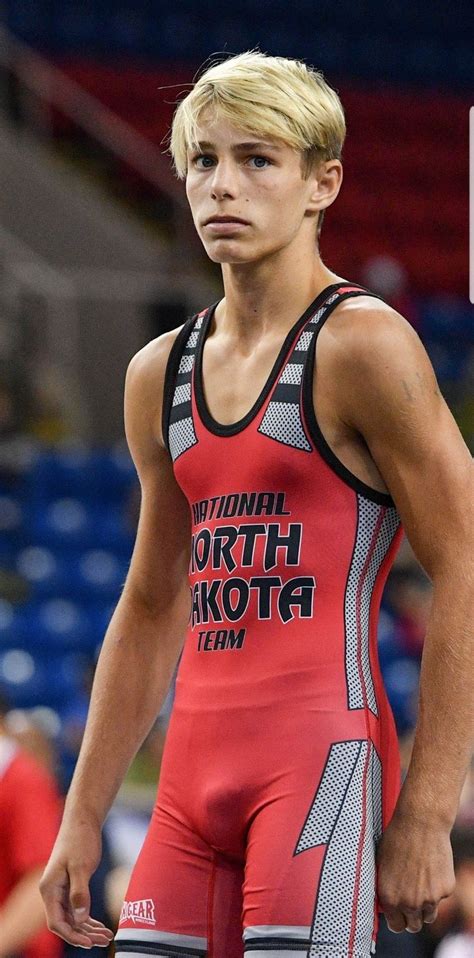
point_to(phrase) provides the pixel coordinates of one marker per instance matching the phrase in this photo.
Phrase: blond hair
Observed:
(269, 95)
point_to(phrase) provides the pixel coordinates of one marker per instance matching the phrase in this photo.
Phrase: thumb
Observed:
(79, 896)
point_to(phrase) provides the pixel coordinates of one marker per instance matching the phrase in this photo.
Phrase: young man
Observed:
(275, 477)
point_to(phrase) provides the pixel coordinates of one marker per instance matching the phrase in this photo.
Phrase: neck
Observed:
(268, 296)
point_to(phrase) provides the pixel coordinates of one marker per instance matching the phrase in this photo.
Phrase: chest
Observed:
(233, 384)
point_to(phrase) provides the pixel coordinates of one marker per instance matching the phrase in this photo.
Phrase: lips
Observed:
(225, 219)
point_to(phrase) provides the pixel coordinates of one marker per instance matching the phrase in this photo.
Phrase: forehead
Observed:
(220, 133)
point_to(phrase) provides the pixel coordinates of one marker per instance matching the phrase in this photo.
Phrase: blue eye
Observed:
(260, 158)
(202, 156)
(207, 166)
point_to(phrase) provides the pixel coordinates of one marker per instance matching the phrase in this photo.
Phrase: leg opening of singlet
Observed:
(276, 942)
(279, 940)
(142, 943)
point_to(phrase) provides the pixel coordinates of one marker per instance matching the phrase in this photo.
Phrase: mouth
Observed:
(226, 219)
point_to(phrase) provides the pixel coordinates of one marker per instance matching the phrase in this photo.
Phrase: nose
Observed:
(224, 180)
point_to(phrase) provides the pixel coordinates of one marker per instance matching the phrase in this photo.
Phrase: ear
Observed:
(325, 182)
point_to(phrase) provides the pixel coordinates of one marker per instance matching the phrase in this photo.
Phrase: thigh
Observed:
(183, 900)
(310, 871)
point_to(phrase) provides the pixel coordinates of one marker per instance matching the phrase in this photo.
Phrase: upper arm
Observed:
(389, 394)
(159, 565)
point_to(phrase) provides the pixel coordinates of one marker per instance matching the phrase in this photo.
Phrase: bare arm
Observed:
(138, 656)
(419, 451)
(21, 915)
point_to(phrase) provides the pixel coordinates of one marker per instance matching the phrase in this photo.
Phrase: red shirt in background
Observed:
(30, 809)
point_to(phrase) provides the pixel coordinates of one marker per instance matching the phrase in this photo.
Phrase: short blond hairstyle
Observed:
(268, 95)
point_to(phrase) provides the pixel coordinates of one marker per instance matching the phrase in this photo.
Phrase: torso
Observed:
(232, 383)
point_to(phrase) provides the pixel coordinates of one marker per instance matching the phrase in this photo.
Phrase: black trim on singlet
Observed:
(171, 372)
(231, 429)
(155, 948)
(276, 944)
(382, 498)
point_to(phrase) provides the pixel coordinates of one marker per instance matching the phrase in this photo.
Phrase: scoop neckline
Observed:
(230, 429)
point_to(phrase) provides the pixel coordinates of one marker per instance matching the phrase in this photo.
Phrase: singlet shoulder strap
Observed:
(289, 417)
(282, 419)
(177, 421)
(361, 488)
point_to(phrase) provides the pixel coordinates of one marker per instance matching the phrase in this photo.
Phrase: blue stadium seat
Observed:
(70, 525)
(398, 42)
(401, 678)
(387, 645)
(59, 625)
(10, 515)
(23, 678)
(7, 551)
(116, 474)
(449, 360)
(113, 530)
(89, 475)
(99, 615)
(446, 317)
(64, 473)
(63, 523)
(64, 678)
(13, 629)
(99, 575)
(93, 575)
(46, 573)
(11, 523)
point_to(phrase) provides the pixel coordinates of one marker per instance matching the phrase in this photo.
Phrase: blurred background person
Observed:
(29, 816)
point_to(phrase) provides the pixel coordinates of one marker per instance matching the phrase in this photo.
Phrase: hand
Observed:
(414, 872)
(65, 886)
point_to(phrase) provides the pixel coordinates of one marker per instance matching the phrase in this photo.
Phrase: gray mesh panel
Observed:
(181, 437)
(282, 421)
(192, 339)
(186, 364)
(182, 394)
(342, 816)
(181, 433)
(365, 917)
(304, 339)
(292, 373)
(358, 597)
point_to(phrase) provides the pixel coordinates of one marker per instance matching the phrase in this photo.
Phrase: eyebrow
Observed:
(251, 145)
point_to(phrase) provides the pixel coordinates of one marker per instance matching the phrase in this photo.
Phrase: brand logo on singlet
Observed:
(142, 911)
(250, 557)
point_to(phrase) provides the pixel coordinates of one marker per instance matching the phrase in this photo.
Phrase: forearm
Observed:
(21, 915)
(133, 674)
(444, 735)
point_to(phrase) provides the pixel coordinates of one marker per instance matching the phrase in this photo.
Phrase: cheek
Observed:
(279, 192)
(192, 184)
(284, 206)
(193, 197)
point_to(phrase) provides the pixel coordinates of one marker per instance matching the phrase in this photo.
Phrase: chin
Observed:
(228, 252)
(229, 258)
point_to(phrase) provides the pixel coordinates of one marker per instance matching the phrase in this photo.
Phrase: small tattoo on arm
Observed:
(410, 393)
(407, 390)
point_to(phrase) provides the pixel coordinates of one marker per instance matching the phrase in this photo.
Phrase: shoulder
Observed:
(375, 360)
(145, 377)
(362, 323)
(151, 360)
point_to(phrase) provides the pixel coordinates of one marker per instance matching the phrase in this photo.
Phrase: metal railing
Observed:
(42, 87)
(51, 298)
(50, 302)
